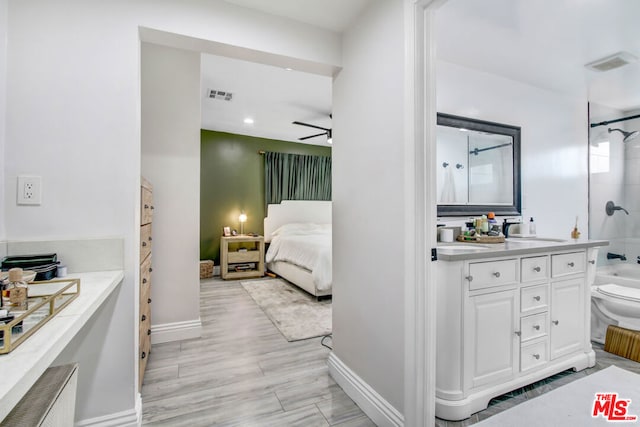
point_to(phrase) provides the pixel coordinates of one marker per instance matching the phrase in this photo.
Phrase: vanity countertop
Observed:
(460, 251)
(20, 369)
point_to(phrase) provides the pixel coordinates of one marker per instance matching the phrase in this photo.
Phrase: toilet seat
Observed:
(617, 291)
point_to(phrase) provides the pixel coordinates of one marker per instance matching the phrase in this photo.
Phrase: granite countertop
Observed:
(459, 251)
(21, 368)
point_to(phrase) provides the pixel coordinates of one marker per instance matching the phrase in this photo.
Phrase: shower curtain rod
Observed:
(479, 150)
(614, 121)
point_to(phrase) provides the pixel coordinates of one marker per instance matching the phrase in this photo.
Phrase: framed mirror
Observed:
(478, 167)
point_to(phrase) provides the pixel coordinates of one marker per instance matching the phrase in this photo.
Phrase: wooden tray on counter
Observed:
(480, 239)
(45, 300)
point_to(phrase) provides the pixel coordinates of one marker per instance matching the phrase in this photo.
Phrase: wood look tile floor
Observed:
(242, 372)
(509, 400)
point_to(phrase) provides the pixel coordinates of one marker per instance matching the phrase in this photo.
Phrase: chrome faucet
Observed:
(618, 256)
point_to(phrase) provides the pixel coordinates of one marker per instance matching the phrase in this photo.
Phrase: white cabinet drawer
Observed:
(533, 355)
(535, 268)
(534, 298)
(565, 264)
(534, 326)
(492, 273)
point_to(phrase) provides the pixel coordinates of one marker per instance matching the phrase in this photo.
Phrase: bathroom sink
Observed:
(535, 239)
(463, 247)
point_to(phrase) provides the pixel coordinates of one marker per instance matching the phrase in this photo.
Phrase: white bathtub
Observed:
(623, 274)
(610, 310)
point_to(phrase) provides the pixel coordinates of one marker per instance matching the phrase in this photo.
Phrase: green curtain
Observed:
(296, 177)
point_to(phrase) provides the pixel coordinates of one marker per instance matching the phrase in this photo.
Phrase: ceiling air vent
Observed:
(612, 62)
(220, 94)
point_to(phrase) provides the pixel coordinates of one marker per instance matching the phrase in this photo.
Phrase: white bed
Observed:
(299, 233)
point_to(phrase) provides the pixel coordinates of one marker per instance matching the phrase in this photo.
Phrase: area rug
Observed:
(573, 404)
(296, 314)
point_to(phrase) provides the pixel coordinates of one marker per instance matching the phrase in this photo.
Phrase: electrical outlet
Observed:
(29, 190)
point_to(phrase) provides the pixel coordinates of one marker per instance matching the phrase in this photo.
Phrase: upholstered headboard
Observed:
(289, 211)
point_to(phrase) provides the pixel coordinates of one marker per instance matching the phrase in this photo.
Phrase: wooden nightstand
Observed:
(234, 260)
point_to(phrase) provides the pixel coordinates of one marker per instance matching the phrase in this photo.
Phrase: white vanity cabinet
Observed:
(505, 322)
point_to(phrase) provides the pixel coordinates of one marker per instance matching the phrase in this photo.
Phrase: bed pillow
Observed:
(300, 228)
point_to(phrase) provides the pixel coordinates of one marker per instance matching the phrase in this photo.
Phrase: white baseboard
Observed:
(177, 331)
(129, 418)
(375, 406)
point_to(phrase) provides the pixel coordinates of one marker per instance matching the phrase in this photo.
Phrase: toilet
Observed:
(613, 304)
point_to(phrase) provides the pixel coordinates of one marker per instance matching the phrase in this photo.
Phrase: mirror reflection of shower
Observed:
(628, 136)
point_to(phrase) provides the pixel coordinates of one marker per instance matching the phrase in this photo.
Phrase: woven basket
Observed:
(206, 269)
(623, 342)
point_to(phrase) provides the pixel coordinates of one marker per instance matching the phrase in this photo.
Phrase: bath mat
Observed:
(296, 314)
(572, 405)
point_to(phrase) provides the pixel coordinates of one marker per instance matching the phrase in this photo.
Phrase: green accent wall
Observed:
(232, 180)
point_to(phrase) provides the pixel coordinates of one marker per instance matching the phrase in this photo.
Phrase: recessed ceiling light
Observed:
(248, 121)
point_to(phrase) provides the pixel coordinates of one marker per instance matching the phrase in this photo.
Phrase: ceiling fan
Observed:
(326, 132)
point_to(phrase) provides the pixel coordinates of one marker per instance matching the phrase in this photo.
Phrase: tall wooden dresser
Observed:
(146, 216)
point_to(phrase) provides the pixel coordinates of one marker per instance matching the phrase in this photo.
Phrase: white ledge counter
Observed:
(458, 251)
(21, 368)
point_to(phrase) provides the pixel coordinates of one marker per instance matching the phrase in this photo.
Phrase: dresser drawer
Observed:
(492, 273)
(534, 326)
(534, 298)
(146, 206)
(534, 268)
(248, 256)
(145, 241)
(565, 264)
(534, 354)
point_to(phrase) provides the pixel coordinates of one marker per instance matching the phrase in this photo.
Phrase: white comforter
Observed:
(307, 246)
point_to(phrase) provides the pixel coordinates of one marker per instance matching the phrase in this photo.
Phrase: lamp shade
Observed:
(242, 217)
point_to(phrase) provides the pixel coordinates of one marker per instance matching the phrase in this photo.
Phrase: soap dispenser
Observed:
(532, 226)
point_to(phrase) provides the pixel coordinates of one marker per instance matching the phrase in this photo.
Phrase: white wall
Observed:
(73, 117)
(368, 225)
(554, 153)
(171, 162)
(631, 187)
(3, 104)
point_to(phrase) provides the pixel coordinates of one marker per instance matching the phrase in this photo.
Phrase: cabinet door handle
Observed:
(469, 278)
(537, 298)
(592, 261)
(144, 243)
(150, 269)
(536, 327)
(536, 356)
(143, 318)
(149, 301)
(144, 281)
(150, 238)
(148, 331)
(537, 269)
(143, 355)
(555, 322)
(571, 264)
(517, 333)
(146, 206)
(497, 274)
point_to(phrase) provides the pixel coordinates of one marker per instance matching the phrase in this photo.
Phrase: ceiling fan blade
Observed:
(311, 136)
(311, 126)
